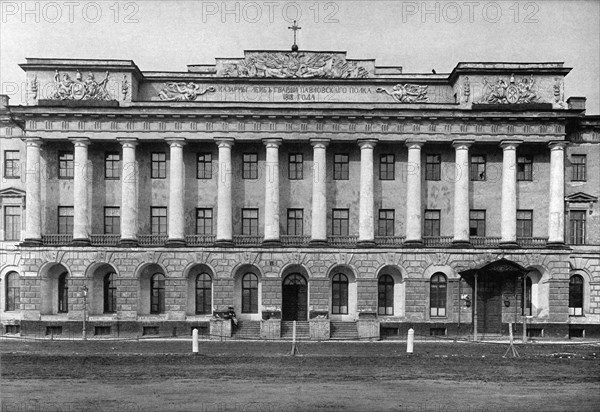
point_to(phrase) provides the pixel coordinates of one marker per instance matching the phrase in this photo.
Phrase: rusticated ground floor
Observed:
(331, 294)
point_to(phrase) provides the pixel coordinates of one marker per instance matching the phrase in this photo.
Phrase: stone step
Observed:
(246, 329)
(302, 329)
(343, 330)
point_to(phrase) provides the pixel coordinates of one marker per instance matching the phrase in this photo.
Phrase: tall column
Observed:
(272, 193)
(556, 213)
(129, 193)
(318, 234)
(366, 224)
(33, 190)
(413, 194)
(461, 193)
(509, 193)
(81, 182)
(176, 210)
(224, 206)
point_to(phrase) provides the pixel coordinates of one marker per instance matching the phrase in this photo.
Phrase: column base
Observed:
(128, 243)
(366, 243)
(224, 243)
(412, 243)
(271, 243)
(318, 243)
(175, 243)
(32, 242)
(81, 242)
(557, 245)
(461, 244)
(509, 245)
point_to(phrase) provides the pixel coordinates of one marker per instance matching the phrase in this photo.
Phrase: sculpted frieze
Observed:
(178, 92)
(513, 92)
(406, 93)
(294, 65)
(79, 89)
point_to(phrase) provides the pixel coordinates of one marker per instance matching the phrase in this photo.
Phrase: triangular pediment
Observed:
(12, 192)
(580, 197)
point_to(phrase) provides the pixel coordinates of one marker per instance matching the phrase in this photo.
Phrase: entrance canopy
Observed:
(499, 268)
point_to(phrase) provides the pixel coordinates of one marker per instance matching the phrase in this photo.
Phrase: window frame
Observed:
(207, 221)
(157, 293)
(12, 167)
(110, 293)
(12, 292)
(525, 168)
(438, 295)
(576, 297)
(296, 222)
(477, 168)
(431, 227)
(339, 294)
(341, 166)
(387, 167)
(386, 223)
(385, 294)
(295, 166)
(250, 224)
(12, 223)
(480, 223)
(160, 223)
(203, 306)
(109, 228)
(65, 227)
(204, 166)
(160, 171)
(577, 227)
(66, 167)
(433, 168)
(112, 165)
(344, 222)
(250, 166)
(524, 224)
(250, 291)
(63, 292)
(579, 170)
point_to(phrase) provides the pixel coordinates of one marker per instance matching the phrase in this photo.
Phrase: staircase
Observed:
(302, 330)
(343, 331)
(247, 329)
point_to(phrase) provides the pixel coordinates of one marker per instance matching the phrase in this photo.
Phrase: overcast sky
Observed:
(420, 36)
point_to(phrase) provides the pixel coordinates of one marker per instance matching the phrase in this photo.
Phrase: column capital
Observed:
(128, 141)
(33, 141)
(367, 143)
(558, 144)
(510, 144)
(414, 143)
(175, 141)
(462, 143)
(272, 142)
(80, 141)
(224, 141)
(320, 142)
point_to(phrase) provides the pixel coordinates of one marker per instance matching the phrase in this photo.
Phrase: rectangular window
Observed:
(340, 222)
(341, 167)
(65, 220)
(112, 166)
(295, 222)
(433, 167)
(579, 164)
(65, 165)
(386, 222)
(432, 223)
(477, 223)
(204, 221)
(250, 222)
(295, 167)
(158, 216)
(11, 164)
(387, 164)
(250, 166)
(525, 167)
(112, 220)
(477, 167)
(577, 227)
(159, 166)
(12, 223)
(524, 223)
(204, 166)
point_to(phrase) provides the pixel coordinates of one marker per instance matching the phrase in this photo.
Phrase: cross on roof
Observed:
(295, 28)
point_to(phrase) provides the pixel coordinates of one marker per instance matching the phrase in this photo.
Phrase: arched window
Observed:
(339, 294)
(527, 309)
(250, 293)
(63, 294)
(203, 294)
(157, 293)
(385, 295)
(576, 296)
(110, 293)
(437, 295)
(12, 292)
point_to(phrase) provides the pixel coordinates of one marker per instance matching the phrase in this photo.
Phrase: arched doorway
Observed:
(294, 298)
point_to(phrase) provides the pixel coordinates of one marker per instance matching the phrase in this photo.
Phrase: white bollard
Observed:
(195, 340)
(410, 340)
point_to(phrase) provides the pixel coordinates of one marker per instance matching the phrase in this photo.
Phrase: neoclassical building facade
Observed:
(354, 199)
